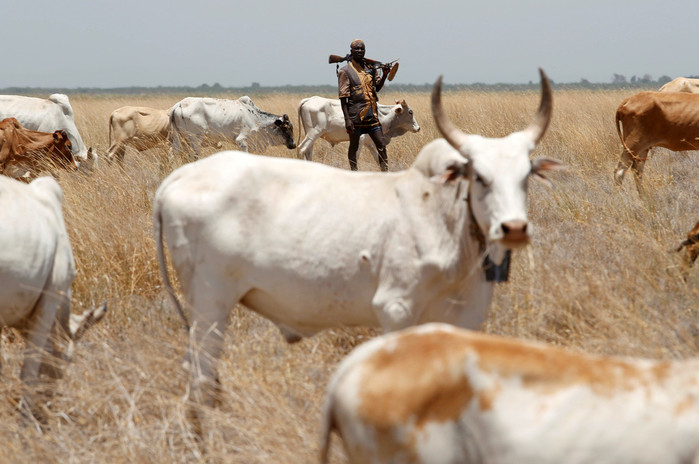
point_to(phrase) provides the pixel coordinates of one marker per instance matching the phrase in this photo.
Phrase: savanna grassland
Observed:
(599, 276)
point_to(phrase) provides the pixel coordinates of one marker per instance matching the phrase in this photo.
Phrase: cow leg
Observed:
(637, 169)
(306, 145)
(381, 156)
(117, 150)
(36, 332)
(212, 300)
(625, 162)
(242, 141)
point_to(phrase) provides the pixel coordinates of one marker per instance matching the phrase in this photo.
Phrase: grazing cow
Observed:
(322, 118)
(691, 246)
(310, 246)
(50, 115)
(205, 121)
(36, 274)
(437, 394)
(140, 127)
(681, 84)
(26, 150)
(655, 119)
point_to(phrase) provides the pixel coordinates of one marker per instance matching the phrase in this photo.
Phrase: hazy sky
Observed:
(234, 43)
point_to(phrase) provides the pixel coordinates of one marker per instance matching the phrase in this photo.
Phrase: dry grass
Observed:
(597, 277)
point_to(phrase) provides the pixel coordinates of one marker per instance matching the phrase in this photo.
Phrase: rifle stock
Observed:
(336, 59)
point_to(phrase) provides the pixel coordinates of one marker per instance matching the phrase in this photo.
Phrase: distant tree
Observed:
(255, 85)
(619, 79)
(646, 79)
(584, 81)
(664, 79)
(633, 79)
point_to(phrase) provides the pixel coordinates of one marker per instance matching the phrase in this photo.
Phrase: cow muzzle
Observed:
(515, 233)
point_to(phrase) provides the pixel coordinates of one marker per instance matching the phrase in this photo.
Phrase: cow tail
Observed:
(172, 127)
(158, 228)
(621, 136)
(298, 122)
(111, 117)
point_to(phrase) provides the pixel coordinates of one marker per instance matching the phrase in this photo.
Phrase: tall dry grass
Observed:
(597, 277)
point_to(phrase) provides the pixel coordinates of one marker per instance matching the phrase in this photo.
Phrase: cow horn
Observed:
(449, 131)
(543, 116)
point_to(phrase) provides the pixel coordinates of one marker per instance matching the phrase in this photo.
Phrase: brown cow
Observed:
(681, 84)
(23, 151)
(655, 119)
(140, 127)
(691, 246)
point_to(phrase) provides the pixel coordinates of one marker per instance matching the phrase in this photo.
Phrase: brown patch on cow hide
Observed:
(423, 377)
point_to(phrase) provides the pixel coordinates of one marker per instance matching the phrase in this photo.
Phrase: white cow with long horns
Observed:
(310, 246)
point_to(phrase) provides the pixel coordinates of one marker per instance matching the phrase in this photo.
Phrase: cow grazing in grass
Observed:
(24, 152)
(48, 115)
(139, 127)
(197, 122)
(36, 274)
(655, 119)
(311, 246)
(321, 118)
(437, 394)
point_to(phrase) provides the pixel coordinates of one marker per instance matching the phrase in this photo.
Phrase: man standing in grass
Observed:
(358, 85)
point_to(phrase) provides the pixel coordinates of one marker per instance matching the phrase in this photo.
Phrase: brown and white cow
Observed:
(691, 246)
(139, 127)
(436, 394)
(655, 119)
(681, 84)
(24, 151)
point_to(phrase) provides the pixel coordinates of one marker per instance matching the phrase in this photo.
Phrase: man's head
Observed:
(357, 49)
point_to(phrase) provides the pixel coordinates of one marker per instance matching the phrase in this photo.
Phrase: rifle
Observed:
(374, 63)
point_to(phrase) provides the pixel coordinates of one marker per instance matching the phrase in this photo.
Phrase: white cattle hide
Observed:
(197, 122)
(36, 274)
(48, 115)
(321, 118)
(310, 246)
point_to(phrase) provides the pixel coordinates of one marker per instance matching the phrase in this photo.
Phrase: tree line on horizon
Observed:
(618, 81)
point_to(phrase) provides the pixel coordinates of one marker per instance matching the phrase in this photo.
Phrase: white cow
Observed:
(139, 127)
(322, 118)
(205, 121)
(681, 84)
(48, 115)
(437, 394)
(310, 246)
(36, 274)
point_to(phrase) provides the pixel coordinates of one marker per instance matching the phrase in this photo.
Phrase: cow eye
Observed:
(410, 112)
(481, 181)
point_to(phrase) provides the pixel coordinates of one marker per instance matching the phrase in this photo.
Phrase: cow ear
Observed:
(399, 110)
(55, 136)
(454, 171)
(540, 165)
(278, 122)
(403, 104)
(285, 117)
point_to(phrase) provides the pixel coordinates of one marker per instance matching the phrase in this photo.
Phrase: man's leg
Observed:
(377, 138)
(352, 151)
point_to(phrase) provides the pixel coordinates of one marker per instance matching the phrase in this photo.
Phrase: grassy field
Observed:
(597, 277)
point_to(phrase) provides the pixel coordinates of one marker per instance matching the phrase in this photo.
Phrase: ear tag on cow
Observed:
(494, 272)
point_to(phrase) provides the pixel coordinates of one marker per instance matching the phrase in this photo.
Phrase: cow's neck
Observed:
(493, 272)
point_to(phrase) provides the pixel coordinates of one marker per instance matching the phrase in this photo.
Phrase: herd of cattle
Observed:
(423, 247)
